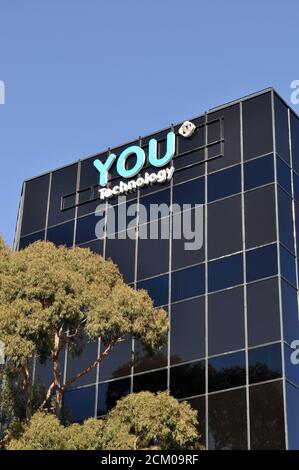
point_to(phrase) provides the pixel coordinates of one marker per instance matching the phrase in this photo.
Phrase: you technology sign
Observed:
(138, 153)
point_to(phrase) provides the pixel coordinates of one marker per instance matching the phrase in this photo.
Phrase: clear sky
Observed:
(82, 75)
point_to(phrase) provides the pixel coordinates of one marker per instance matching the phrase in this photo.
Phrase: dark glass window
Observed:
(157, 288)
(187, 380)
(87, 228)
(25, 241)
(296, 186)
(192, 192)
(295, 141)
(80, 403)
(121, 216)
(227, 420)
(64, 182)
(122, 253)
(285, 220)
(196, 140)
(266, 416)
(153, 248)
(224, 227)
(79, 363)
(95, 246)
(260, 217)
(44, 372)
(257, 126)
(292, 399)
(35, 204)
(227, 371)
(226, 321)
(89, 175)
(224, 183)
(264, 363)
(231, 132)
(146, 360)
(258, 172)
(284, 175)
(225, 272)
(110, 393)
(199, 404)
(69, 201)
(188, 232)
(118, 362)
(282, 129)
(62, 234)
(291, 358)
(157, 198)
(261, 262)
(85, 195)
(289, 312)
(263, 312)
(287, 266)
(187, 331)
(188, 282)
(153, 382)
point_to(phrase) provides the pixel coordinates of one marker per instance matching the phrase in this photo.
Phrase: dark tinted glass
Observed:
(225, 272)
(196, 140)
(122, 253)
(118, 362)
(224, 183)
(80, 403)
(89, 175)
(44, 372)
(287, 266)
(257, 126)
(261, 262)
(192, 192)
(260, 217)
(291, 362)
(157, 288)
(35, 204)
(110, 393)
(157, 198)
(289, 312)
(266, 416)
(188, 282)
(224, 227)
(95, 246)
(295, 141)
(187, 331)
(264, 363)
(227, 371)
(79, 363)
(199, 404)
(153, 251)
(197, 157)
(153, 382)
(231, 132)
(258, 172)
(64, 182)
(189, 173)
(226, 321)
(87, 228)
(147, 360)
(292, 398)
(62, 234)
(285, 220)
(227, 420)
(296, 186)
(263, 312)
(188, 238)
(25, 241)
(281, 129)
(284, 175)
(121, 216)
(187, 380)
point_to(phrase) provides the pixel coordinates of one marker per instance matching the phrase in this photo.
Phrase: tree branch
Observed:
(47, 395)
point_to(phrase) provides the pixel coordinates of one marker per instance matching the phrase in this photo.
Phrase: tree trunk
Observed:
(57, 377)
(27, 393)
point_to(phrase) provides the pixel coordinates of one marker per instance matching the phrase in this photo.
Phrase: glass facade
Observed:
(232, 302)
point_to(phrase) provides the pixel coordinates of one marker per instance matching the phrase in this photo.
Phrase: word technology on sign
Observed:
(135, 151)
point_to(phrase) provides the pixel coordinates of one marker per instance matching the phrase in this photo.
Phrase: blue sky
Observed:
(82, 75)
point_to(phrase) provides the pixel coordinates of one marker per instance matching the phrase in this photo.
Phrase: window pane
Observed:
(257, 126)
(266, 416)
(110, 393)
(261, 262)
(296, 186)
(295, 141)
(62, 234)
(258, 172)
(226, 272)
(79, 363)
(227, 420)
(263, 312)
(89, 176)
(292, 396)
(289, 312)
(25, 241)
(264, 363)
(96, 246)
(35, 204)
(118, 362)
(282, 129)
(146, 360)
(153, 382)
(285, 220)
(187, 380)
(192, 192)
(64, 182)
(226, 321)
(260, 217)
(157, 288)
(122, 253)
(199, 404)
(224, 183)
(80, 404)
(188, 173)
(227, 371)
(188, 282)
(224, 227)
(284, 176)
(87, 228)
(148, 213)
(291, 357)
(153, 248)
(287, 266)
(187, 331)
